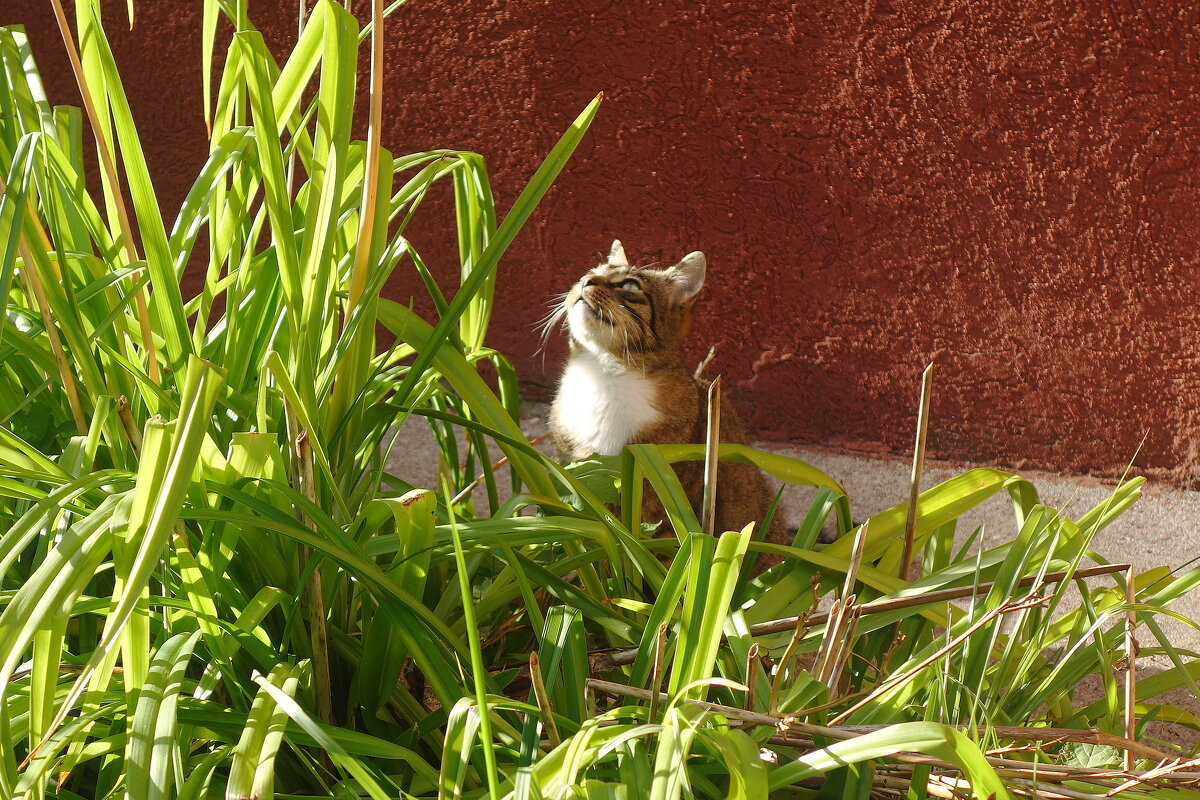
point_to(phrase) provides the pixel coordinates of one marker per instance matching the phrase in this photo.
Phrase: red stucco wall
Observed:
(1009, 189)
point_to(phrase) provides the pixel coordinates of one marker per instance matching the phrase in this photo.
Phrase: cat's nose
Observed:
(591, 280)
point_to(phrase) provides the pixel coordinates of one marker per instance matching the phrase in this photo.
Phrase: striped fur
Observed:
(625, 382)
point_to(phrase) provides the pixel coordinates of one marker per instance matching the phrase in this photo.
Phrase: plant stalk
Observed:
(314, 593)
(56, 347)
(543, 700)
(711, 444)
(918, 467)
(1131, 653)
(108, 164)
(609, 661)
(788, 725)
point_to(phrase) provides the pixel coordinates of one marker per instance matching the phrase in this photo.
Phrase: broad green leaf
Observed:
(925, 738)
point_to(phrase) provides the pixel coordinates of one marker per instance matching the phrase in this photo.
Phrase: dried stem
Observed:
(108, 164)
(843, 622)
(129, 425)
(711, 444)
(656, 672)
(1131, 653)
(35, 286)
(789, 726)
(949, 647)
(543, 700)
(856, 557)
(751, 675)
(793, 643)
(60, 357)
(831, 671)
(918, 466)
(609, 661)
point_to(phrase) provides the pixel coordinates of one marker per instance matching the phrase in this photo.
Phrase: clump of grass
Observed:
(211, 584)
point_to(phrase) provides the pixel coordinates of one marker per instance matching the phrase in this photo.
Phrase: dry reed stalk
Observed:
(918, 467)
(950, 646)
(1131, 653)
(843, 622)
(711, 443)
(751, 675)
(108, 164)
(543, 700)
(656, 672)
(793, 643)
(34, 283)
(788, 725)
(609, 661)
(129, 425)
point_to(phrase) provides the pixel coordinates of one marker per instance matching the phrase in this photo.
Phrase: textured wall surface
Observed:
(1009, 189)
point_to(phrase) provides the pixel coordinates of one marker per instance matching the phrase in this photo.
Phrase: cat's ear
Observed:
(687, 278)
(616, 256)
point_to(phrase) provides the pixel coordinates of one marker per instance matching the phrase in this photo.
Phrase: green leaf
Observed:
(152, 745)
(480, 272)
(924, 738)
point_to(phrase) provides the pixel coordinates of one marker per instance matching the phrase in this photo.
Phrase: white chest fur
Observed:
(602, 405)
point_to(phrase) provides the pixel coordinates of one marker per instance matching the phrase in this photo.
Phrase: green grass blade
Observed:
(521, 210)
(712, 581)
(252, 772)
(925, 738)
(287, 704)
(152, 746)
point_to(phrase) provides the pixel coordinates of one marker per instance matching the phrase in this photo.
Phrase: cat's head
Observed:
(633, 313)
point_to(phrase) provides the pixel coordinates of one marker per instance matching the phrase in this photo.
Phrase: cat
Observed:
(625, 383)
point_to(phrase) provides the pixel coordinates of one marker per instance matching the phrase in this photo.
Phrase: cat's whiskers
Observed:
(553, 319)
(558, 310)
(600, 313)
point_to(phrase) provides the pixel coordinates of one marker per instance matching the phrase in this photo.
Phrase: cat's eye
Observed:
(630, 285)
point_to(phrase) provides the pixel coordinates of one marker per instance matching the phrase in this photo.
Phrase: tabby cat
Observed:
(625, 383)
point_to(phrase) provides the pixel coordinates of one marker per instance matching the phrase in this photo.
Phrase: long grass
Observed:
(212, 584)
